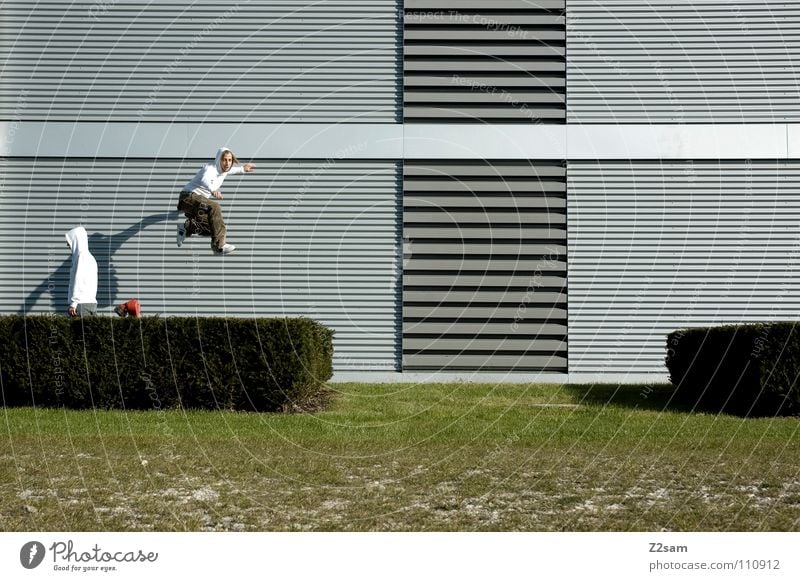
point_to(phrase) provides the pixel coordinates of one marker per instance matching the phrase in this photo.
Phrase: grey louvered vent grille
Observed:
(664, 61)
(484, 283)
(205, 61)
(314, 238)
(660, 246)
(484, 61)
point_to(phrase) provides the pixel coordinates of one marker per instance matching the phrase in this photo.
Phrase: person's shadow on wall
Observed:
(103, 248)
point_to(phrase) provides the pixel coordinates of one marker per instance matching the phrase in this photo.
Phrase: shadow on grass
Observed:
(654, 397)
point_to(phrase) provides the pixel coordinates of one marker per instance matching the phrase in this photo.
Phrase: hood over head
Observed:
(83, 272)
(220, 151)
(78, 240)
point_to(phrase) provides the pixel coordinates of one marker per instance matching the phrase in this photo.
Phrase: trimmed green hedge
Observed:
(156, 363)
(746, 370)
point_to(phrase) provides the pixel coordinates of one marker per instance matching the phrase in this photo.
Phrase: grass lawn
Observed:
(406, 457)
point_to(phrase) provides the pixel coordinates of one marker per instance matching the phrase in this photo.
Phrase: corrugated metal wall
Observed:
(484, 283)
(314, 238)
(652, 246)
(659, 246)
(484, 60)
(205, 61)
(682, 62)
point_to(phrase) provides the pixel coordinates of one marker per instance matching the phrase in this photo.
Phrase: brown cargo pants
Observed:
(203, 217)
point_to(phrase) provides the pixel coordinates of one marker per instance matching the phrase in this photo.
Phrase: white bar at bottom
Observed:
(401, 556)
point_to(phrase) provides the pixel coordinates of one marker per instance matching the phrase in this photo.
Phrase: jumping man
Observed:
(204, 215)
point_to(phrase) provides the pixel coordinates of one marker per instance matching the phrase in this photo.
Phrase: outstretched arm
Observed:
(246, 168)
(237, 169)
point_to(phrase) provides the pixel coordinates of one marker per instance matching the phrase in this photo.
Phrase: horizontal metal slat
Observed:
(462, 201)
(499, 169)
(444, 328)
(480, 34)
(483, 362)
(478, 296)
(465, 345)
(503, 98)
(443, 19)
(497, 49)
(486, 217)
(484, 65)
(529, 281)
(482, 4)
(465, 113)
(520, 313)
(454, 231)
(522, 79)
(490, 247)
(499, 184)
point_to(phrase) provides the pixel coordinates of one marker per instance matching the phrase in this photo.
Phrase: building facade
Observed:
(523, 189)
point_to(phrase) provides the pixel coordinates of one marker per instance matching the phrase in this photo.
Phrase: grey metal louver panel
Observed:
(484, 280)
(315, 238)
(660, 246)
(683, 62)
(260, 61)
(484, 61)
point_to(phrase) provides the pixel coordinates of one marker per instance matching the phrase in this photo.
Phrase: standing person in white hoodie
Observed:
(204, 215)
(82, 294)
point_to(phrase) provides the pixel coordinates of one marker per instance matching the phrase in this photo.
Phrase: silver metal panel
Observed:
(793, 141)
(489, 141)
(489, 61)
(687, 141)
(315, 238)
(683, 62)
(659, 246)
(179, 140)
(484, 286)
(130, 60)
(394, 141)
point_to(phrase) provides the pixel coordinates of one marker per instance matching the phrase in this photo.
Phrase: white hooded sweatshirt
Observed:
(210, 177)
(83, 274)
